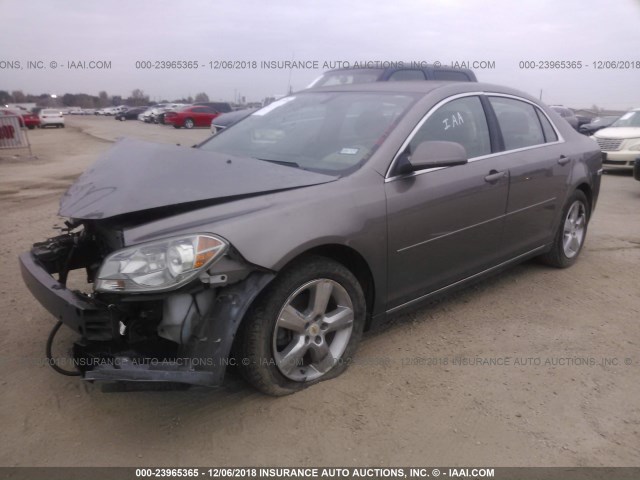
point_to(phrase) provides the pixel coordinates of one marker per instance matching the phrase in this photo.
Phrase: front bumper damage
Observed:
(183, 336)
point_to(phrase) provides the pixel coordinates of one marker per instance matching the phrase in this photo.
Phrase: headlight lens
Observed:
(160, 265)
(635, 146)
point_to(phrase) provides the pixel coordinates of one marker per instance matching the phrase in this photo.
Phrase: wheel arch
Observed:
(354, 262)
(351, 259)
(585, 188)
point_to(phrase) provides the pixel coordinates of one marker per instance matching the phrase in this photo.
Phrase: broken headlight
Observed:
(160, 265)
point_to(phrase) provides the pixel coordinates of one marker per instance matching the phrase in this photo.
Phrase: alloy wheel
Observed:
(574, 229)
(312, 330)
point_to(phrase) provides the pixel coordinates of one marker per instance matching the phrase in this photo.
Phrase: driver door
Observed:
(446, 224)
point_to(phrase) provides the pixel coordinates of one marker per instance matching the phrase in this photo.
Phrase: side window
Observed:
(518, 121)
(461, 121)
(549, 132)
(402, 75)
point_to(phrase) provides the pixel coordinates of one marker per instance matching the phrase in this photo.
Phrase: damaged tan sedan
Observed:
(276, 243)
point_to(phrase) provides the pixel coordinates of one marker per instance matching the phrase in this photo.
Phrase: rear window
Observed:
(407, 75)
(221, 107)
(51, 112)
(450, 76)
(346, 77)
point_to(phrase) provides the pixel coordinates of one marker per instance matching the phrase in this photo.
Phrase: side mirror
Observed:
(436, 154)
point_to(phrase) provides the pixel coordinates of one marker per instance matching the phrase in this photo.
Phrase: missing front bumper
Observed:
(103, 355)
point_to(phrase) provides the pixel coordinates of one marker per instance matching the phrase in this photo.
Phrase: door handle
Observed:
(494, 176)
(563, 160)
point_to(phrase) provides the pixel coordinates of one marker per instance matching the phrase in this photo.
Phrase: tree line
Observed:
(84, 100)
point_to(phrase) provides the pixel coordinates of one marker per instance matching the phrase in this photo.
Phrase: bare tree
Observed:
(138, 98)
(18, 96)
(103, 99)
(202, 97)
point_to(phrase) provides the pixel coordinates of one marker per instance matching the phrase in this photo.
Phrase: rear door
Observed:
(539, 165)
(445, 224)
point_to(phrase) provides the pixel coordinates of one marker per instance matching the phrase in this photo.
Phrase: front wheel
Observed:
(188, 123)
(303, 329)
(571, 233)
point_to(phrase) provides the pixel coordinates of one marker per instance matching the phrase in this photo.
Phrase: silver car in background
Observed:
(274, 244)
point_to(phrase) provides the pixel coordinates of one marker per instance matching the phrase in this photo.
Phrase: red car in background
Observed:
(189, 117)
(27, 119)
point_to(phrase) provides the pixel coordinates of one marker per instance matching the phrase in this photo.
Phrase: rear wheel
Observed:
(303, 329)
(188, 123)
(571, 232)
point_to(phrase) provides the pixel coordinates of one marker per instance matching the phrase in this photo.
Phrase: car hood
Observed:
(134, 176)
(619, 132)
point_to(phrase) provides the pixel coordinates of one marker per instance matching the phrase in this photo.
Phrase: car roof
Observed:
(422, 87)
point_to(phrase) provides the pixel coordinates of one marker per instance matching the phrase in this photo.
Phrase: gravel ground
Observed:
(533, 367)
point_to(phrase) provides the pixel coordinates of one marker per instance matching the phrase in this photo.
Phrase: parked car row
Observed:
(26, 119)
(617, 136)
(44, 118)
(179, 115)
(131, 113)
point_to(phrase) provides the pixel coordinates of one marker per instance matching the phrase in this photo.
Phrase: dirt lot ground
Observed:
(571, 399)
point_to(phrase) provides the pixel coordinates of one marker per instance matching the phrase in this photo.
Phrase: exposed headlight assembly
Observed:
(160, 265)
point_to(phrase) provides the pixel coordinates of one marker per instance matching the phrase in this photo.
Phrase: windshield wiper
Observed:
(281, 162)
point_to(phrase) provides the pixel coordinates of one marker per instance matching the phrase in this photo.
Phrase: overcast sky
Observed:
(503, 31)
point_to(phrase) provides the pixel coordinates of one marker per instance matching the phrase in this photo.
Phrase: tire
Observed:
(188, 123)
(269, 333)
(31, 127)
(571, 233)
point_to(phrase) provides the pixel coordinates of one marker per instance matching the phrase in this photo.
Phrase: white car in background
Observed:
(108, 111)
(621, 141)
(149, 115)
(51, 117)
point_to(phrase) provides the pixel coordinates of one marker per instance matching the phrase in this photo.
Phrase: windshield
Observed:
(346, 77)
(629, 119)
(332, 132)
